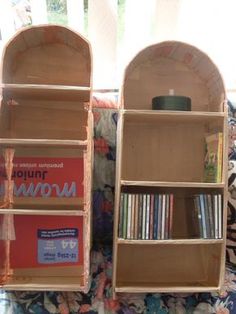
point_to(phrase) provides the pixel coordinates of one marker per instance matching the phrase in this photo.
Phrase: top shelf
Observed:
(176, 66)
(143, 116)
(45, 92)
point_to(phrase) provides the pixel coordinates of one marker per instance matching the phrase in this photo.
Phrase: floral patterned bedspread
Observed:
(99, 299)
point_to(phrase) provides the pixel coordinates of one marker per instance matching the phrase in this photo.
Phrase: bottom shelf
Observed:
(174, 288)
(168, 268)
(70, 279)
(44, 253)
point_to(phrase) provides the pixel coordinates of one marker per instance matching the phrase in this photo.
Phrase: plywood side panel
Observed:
(117, 198)
(3, 257)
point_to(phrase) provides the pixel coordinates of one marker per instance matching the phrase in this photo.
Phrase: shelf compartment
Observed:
(47, 55)
(47, 257)
(35, 119)
(185, 221)
(167, 148)
(168, 266)
(45, 92)
(51, 178)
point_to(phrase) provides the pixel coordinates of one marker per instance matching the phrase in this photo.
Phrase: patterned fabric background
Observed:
(231, 229)
(99, 299)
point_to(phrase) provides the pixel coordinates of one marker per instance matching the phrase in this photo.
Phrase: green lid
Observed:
(171, 102)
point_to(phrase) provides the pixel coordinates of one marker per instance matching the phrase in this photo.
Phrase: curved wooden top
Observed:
(173, 65)
(47, 54)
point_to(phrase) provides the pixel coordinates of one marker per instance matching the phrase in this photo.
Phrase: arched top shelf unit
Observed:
(47, 60)
(46, 117)
(46, 84)
(47, 55)
(177, 66)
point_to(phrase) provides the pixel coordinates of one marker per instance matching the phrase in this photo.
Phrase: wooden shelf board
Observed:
(44, 287)
(41, 142)
(45, 278)
(167, 289)
(48, 283)
(73, 93)
(177, 116)
(50, 212)
(172, 184)
(170, 241)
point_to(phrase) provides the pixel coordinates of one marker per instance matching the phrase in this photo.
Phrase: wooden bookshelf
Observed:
(162, 152)
(46, 115)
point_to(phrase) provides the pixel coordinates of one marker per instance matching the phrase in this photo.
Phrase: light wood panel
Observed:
(170, 242)
(167, 116)
(35, 283)
(49, 271)
(52, 63)
(117, 196)
(45, 123)
(172, 289)
(40, 142)
(2, 253)
(172, 184)
(45, 92)
(157, 152)
(45, 211)
(167, 148)
(47, 55)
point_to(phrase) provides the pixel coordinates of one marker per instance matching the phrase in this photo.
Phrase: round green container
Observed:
(170, 102)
